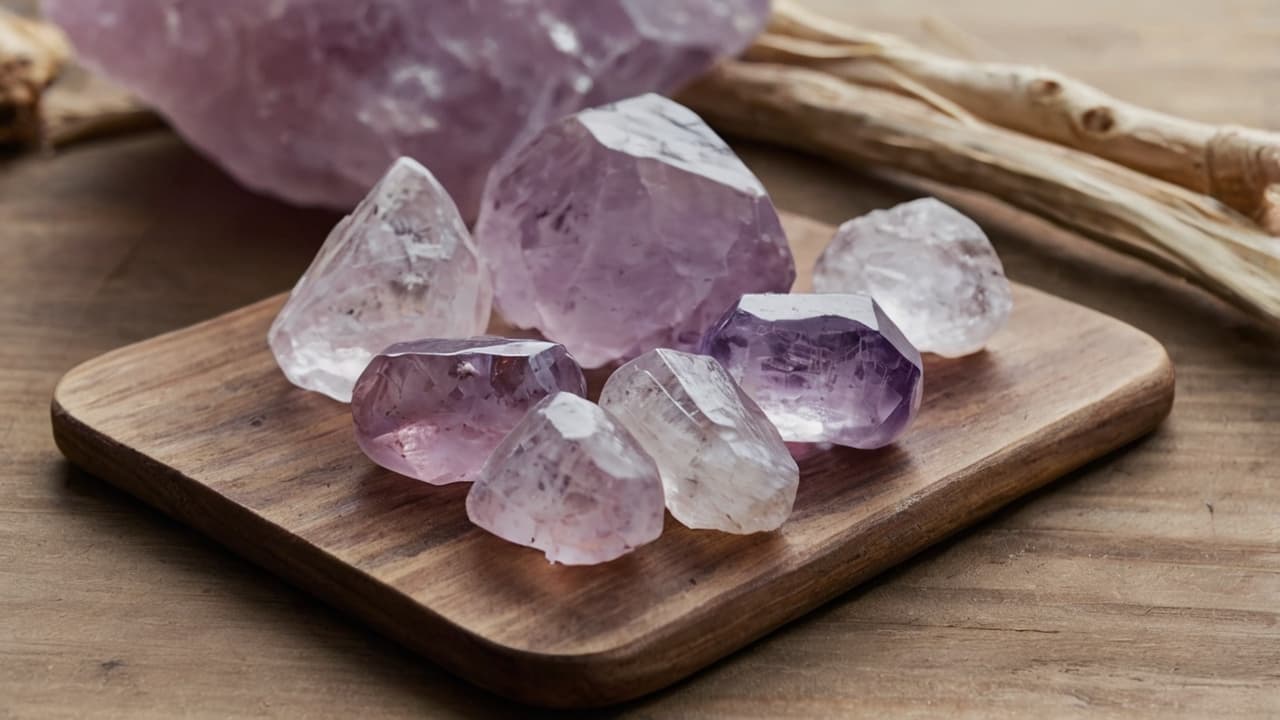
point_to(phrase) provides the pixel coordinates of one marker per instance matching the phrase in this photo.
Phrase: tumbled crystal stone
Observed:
(311, 99)
(723, 464)
(931, 268)
(824, 368)
(435, 409)
(402, 265)
(628, 227)
(570, 481)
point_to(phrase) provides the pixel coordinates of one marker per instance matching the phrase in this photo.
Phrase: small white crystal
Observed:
(931, 268)
(402, 266)
(570, 481)
(723, 464)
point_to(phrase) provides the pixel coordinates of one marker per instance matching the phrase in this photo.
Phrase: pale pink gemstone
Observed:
(435, 409)
(571, 481)
(932, 269)
(626, 228)
(400, 266)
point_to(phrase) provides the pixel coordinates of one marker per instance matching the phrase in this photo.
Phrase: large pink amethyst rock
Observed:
(311, 99)
(571, 481)
(628, 227)
(435, 409)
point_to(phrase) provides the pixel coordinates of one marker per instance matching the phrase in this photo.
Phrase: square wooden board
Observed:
(201, 424)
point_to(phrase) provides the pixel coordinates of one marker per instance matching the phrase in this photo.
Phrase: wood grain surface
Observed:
(212, 434)
(1145, 585)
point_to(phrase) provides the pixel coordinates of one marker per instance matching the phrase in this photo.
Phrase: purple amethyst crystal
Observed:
(628, 227)
(311, 100)
(435, 409)
(824, 368)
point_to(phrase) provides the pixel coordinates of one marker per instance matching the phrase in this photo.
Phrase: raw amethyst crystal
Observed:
(402, 265)
(572, 482)
(931, 268)
(311, 99)
(824, 368)
(723, 464)
(628, 227)
(435, 409)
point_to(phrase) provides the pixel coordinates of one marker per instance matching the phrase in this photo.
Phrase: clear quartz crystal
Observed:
(401, 266)
(931, 268)
(570, 481)
(628, 227)
(435, 409)
(723, 464)
(824, 368)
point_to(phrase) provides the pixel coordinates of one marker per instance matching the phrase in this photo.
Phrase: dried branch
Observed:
(1185, 233)
(31, 56)
(1239, 166)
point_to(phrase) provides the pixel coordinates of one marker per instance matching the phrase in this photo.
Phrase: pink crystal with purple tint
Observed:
(571, 481)
(626, 228)
(435, 409)
(824, 368)
(311, 99)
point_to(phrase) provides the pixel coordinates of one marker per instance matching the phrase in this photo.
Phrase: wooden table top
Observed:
(1146, 584)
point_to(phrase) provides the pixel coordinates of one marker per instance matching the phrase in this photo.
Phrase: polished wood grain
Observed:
(201, 424)
(1144, 585)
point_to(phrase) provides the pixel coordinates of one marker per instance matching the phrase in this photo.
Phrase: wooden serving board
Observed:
(201, 424)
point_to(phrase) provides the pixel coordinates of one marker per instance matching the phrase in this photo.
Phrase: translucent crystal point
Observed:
(401, 266)
(571, 481)
(931, 268)
(435, 409)
(824, 368)
(723, 464)
(628, 227)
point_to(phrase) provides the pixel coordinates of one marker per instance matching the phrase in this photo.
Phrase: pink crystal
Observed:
(571, 481)
(931, 268)
(628, 227)
(402, 265)
(824, 368)
(310, 99)
(435, 409)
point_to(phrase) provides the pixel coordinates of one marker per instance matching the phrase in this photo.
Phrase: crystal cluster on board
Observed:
(401, 266)
(626, 228)
(310, 100)
(435, 409)
(626, 231)
(931, 268)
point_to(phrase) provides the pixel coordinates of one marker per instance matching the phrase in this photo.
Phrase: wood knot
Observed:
(1099, 120)
(1046, 88)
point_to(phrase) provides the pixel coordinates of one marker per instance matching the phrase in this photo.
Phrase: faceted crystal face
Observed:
(628, 227)
(402, 265)
(723, 464)
(824, 368)
(571, 481)
(311, 99)
(435, 409)
(931, 268)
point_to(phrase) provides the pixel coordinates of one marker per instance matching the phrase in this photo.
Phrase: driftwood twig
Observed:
(1183, 232)
(1239, 166)
(32, 54)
